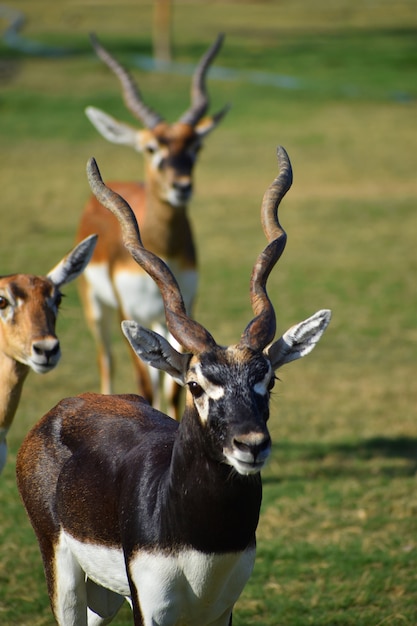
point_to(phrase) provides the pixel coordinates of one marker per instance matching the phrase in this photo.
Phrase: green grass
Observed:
(337, 538)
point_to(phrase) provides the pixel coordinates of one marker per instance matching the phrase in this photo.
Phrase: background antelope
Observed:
(28, 311)
(112, 280)
(128, 503)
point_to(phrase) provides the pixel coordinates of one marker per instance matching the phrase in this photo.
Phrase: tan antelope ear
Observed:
(299, 340)
(156, 351)
(210, 122)
(111, 129)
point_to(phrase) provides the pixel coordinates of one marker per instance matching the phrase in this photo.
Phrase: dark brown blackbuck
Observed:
(129, 503)
(113, 281)
(28, 312)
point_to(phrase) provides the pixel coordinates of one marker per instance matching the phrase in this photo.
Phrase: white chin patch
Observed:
(243, 468)
(42, 368)
(177, 199)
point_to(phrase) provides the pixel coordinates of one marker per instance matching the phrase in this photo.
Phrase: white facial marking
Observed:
(211, 392)
(244, 461)
(157, 156)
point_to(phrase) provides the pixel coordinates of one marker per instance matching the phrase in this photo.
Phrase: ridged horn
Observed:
(199, 96)
(131, 94)
(261, 330)
(190, 334)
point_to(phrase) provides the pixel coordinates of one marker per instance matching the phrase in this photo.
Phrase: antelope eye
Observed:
(4, 303)
(196, 389)
(58, 300)
(150, 149)
(271, 383)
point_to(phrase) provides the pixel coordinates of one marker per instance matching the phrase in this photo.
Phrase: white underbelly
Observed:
(137, 293)
(182, 589)
(104, 565)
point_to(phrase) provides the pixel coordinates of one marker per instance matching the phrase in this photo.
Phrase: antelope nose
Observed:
(46, 348)
(253, 445)
(183, 187)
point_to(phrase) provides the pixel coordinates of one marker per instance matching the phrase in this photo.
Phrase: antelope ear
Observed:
(74, 263)
(111, 129)
(299, 340)
(209, 123)
(155, 350)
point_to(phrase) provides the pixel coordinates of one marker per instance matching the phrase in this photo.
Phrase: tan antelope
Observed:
(28, 311)
(113, 281)
(129, 503)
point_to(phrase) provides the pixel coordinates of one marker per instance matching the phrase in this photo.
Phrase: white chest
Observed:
(184, 589)
(137, 293)
(190, 588)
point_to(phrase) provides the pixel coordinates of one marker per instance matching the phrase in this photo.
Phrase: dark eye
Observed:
(150, 149)
(4, 303)
(196, 389)
(271, 383)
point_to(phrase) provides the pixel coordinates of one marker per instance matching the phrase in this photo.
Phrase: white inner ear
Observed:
(111, 129)
(299, 340)
(71, 266)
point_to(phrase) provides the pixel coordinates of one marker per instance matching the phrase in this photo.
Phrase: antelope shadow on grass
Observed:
(353, 459)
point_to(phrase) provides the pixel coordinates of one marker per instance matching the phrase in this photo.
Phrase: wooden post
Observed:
(162, 45)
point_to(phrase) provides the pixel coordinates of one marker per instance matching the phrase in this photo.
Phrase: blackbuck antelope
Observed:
(128, 503)
(113, 281)
(28, 311)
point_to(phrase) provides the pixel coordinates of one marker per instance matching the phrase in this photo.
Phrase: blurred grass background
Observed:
(337, 542)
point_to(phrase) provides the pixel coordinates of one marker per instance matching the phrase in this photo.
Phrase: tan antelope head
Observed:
(113, 281)
(28, 311)
(128, 503)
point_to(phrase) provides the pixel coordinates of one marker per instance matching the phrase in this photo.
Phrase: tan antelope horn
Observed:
(131, 94)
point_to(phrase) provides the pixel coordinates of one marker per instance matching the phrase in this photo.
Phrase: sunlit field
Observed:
(336, 84)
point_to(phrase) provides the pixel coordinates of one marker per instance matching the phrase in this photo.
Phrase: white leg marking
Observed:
(70, 601)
